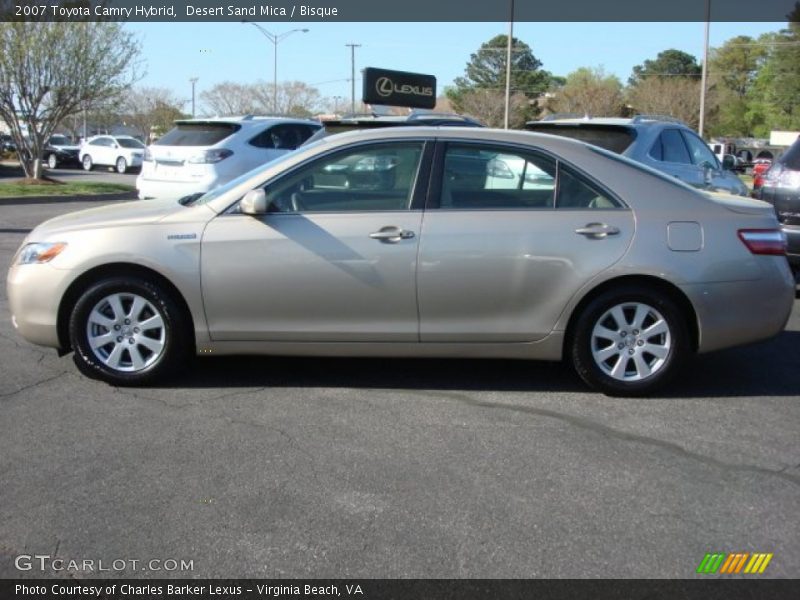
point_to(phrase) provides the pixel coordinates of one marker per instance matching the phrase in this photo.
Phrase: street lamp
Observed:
(275, 38)
(193, 81)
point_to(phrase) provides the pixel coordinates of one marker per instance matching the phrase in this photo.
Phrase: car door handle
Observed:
(597, 230)
(391, 234)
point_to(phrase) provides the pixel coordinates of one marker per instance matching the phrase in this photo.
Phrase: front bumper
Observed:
(34, 293)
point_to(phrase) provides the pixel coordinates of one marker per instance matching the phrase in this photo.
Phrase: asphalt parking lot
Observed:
(281, 467)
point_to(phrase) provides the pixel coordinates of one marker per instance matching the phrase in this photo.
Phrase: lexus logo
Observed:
(384, 86)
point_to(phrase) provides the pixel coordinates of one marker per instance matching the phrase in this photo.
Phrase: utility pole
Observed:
(508, 66)
(705, 71)
(193, 81)
(353, 76)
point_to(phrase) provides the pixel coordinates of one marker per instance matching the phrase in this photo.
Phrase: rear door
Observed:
(498, 262)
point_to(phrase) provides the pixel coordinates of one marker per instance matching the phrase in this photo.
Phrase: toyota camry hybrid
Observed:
(413, 242)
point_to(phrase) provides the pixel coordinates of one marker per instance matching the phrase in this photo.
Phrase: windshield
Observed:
(59, 140)
(216, 193)
(129, 143)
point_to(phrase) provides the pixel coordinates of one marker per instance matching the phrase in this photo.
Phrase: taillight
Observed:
(211, 156)
(764, 241)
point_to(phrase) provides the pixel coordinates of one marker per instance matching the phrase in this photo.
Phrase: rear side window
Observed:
(282, 137)
(198, 134)
(575, 192)
(487, 178)
(615, 139)
(669, 147)
(129, 143)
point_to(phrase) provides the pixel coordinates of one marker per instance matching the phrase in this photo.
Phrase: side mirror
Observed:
(254, 202)
(728, 162)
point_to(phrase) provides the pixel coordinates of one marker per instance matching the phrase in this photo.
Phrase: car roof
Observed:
(588, 120)
(247, 120)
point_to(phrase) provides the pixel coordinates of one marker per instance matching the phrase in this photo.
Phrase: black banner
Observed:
(398, 589)
(392, 11)
(398, 88)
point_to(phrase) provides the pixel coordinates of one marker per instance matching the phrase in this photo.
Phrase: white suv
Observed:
(122, 152)
(199, 155)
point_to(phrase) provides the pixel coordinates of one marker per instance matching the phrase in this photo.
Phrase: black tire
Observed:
(638, 363)
(121, 165)
(52, 160)
(128, 358)
(86, 161)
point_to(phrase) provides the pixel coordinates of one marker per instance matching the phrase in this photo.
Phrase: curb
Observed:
(64, 199)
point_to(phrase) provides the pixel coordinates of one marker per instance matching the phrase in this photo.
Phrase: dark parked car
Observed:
(60, 151)
(781, 188)
(7, 143)
(662, 143)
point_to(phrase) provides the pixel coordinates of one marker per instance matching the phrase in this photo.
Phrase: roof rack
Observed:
(667, 118)
(557, 116)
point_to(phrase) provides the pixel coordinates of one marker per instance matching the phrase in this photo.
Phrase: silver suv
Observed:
(663, 143)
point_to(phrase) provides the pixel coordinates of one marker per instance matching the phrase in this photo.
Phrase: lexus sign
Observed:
(398, 88)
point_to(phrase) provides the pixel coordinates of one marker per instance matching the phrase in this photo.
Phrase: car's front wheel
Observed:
(128, 331)
(122, 165)
(87, 162)
(52, 161)
(629, 341)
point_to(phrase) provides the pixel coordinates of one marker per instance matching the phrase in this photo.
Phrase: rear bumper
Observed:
(150, 187)
(793, 244)
(740, 312)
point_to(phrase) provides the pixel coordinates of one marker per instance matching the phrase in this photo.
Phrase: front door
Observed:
(333, 260)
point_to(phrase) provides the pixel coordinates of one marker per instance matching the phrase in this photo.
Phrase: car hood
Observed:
(741, 204)
(127, 214)
(66, 148)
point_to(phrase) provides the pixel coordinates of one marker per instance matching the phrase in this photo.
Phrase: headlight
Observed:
(38, 252)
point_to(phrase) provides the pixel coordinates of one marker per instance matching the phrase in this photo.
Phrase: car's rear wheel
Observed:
(122, 165)
(52, 161)
(629, 341)
(127, 331)
(87, 162)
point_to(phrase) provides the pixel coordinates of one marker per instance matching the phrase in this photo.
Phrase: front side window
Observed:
(367, 178)
(477, 177)
(699, 151)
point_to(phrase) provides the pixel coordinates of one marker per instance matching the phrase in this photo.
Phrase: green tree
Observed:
(669, 63)
(733, 70)
(777, 85)
(589, 91)
(486, 72)
(50, 71)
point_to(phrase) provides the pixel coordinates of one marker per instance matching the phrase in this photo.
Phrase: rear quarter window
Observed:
(198, 134)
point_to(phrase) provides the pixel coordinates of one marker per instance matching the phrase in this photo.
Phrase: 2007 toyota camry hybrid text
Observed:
(413, 242)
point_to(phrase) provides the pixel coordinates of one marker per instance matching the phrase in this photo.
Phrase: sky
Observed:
(173, 53)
